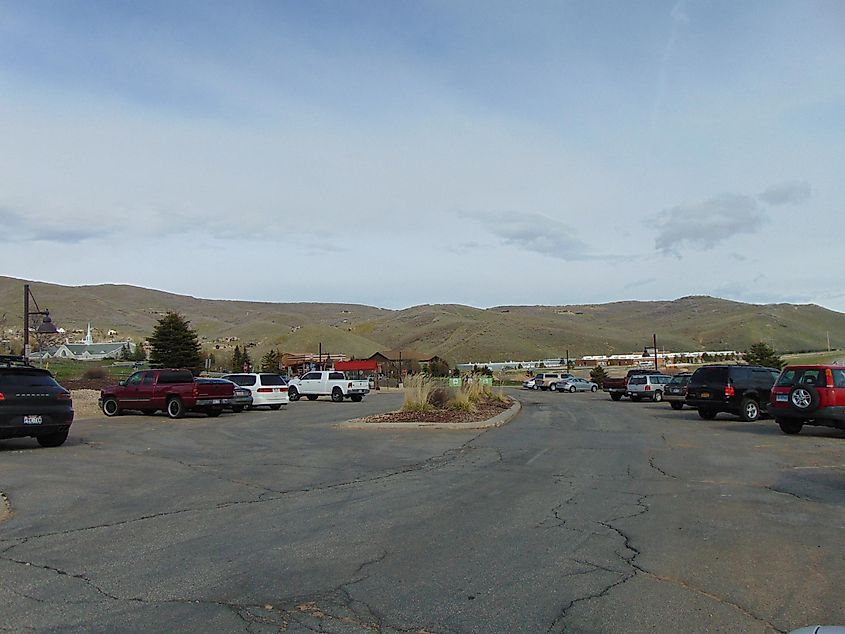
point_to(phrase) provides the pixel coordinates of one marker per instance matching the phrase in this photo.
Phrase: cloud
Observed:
(533, 232)
(704, 225)
(21, 227)
(786, 193)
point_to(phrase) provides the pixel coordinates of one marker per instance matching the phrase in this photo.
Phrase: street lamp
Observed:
(47, 327)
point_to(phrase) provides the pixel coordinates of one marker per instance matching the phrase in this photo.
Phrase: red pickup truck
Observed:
(174, 391)
(619, 387)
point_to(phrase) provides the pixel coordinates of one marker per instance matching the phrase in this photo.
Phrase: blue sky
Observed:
(398, 153)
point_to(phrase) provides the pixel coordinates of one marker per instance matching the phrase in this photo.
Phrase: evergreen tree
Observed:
(245, 359)
(140, 354)
(597, 375)
(763, 354)
(270, 362)
(237, 360)
(124, 353)
(174, 344)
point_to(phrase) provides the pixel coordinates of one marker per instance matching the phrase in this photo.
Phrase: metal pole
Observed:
(26, 322)
(399, 377)
(655, 350)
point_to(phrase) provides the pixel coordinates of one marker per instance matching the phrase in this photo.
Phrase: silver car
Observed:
(575, 384)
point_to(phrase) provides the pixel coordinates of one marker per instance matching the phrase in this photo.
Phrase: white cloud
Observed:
(706, 224)
(533, 232)
(786, 193)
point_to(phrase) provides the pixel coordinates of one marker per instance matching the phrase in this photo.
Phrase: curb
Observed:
(497, 421)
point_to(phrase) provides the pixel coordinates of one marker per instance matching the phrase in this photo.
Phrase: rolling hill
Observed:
(455, 332)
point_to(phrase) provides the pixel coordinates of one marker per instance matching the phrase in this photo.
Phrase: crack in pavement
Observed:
(659, 470)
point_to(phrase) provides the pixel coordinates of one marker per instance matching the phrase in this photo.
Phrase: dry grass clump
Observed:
(424, 393)
(94, 373)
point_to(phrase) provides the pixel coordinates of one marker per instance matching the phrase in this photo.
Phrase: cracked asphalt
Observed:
(582, 515)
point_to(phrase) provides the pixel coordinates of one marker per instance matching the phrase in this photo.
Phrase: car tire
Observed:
(175, 408)
(293, 394)
(615, 397)
(553, 387)
(237, 409)
(276, 406)
(675, 405)
(55, 439)
(311, 397)
(749, 410)
(706, 414)
(535, 387)
(356, 398)
(594, 388)
(789, 427)
(337, 395)
(658, 396)
(571, 389)
(804, 399)
(111, 407)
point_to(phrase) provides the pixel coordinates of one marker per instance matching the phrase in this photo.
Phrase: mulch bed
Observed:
(487, 409)
(87, 384)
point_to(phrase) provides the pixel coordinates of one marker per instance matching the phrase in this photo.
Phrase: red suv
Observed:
(809, 395)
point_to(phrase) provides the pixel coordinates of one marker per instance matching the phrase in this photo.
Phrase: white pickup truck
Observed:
(327, 383)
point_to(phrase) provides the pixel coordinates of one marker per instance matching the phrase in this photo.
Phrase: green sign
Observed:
(455, 381)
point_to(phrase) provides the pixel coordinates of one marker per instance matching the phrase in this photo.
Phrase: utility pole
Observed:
(655, 350)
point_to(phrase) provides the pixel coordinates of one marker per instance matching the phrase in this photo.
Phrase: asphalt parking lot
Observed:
(582, 515)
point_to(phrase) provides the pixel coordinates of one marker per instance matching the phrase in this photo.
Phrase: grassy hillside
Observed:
(455, 332)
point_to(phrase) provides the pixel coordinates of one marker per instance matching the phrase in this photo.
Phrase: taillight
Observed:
(2, 396)
(349, 387)
(62, 396)
(729, 391)
(648, 388)
(196, 391)
(283, 389)
(264, 390)
(828, 373)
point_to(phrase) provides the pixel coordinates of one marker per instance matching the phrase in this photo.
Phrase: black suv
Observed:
(736, 389)
(32, 403)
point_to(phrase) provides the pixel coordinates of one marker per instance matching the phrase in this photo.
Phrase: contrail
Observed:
(679, 17)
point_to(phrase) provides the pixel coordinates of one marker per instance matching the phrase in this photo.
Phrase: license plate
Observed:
(216, 401)
(32, 420)
(276, 390)
(783, 398)
(705, 395)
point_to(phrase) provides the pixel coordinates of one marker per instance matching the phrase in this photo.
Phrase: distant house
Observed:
(389, 360)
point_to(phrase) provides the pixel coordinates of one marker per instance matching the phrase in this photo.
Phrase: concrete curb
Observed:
(497, 421)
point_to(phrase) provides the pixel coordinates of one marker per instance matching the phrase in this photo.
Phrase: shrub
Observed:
(440, 397)
(94, 373)
(418, 389)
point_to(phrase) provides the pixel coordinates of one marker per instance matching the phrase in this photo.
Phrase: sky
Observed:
(405, 152)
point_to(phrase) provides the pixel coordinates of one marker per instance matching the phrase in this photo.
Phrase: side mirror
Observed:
(122, 383)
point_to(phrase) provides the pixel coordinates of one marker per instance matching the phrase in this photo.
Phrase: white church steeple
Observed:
(89, 338)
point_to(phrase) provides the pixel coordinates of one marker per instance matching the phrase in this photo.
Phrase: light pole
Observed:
(47, 327)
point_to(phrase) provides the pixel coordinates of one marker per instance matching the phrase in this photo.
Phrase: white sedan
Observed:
(576, 384)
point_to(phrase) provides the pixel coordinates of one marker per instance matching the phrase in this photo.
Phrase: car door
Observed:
(128, 397)
(310, 383)
(146, 392)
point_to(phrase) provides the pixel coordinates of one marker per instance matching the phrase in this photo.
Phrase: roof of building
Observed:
(405, 355)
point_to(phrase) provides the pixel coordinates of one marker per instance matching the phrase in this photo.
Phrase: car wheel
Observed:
(615, 397)
(749, 410)
(571, 389)
(110, 407)
(311, 397)
(706, 414)
(276, 406)
(658, 396)
(337, 395)
(293, 394)
(804, 398)
(594, 388)
(553, 387)
(676, 405)
(535, 387)
(52, 440)
(237, 409)
(175, 408)
(790, 427)
(356, 398)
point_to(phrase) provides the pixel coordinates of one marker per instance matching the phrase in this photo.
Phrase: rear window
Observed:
(241, 379)
(272, 379)
(814, 376)
(710, 376)
(181, 376)
(336, 376)
(679, 380)
(27, 379)
(637, 380)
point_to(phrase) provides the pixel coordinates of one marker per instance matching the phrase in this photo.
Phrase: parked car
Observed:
(576, 384)
(548, 380)
(675, 391)
(173, 390)
(742, 390)
(328, 383)
(32, 403)
(617, 388)
(266, 388)
(649, 386)
(242, 398)
(529, 384)
(809, 395)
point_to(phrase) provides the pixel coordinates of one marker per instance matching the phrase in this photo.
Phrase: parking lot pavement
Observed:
(582, 515)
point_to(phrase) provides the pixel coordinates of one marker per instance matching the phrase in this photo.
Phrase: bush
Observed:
(440, 397)
(95, 373)
(418, 389)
